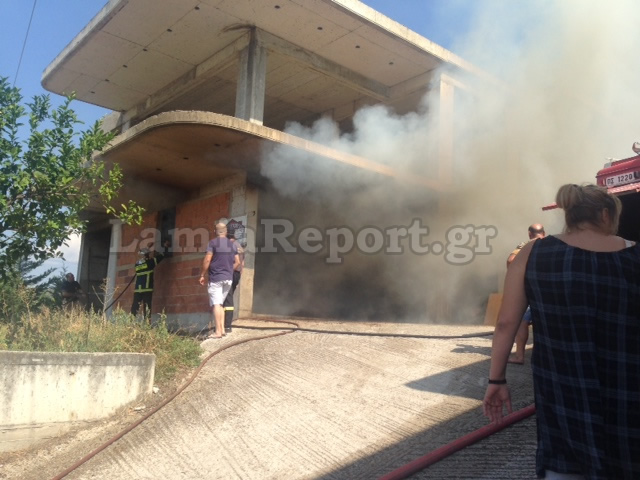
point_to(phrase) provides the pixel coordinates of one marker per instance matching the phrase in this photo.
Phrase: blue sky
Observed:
(56, 23)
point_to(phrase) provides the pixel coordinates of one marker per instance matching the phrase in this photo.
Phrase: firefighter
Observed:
(143, 293)
(237, 272)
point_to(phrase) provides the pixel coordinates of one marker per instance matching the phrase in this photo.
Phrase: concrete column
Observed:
(252, 81)
(83, 262)
(112, 265)
(440, 308)
(445, 143)
(245, 288)
(513, 165)
(445, 133)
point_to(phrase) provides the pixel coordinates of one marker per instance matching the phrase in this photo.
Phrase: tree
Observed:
(49, 178)
(23, 290)
(44, 285)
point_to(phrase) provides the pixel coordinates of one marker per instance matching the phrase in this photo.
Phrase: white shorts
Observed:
(218, 292)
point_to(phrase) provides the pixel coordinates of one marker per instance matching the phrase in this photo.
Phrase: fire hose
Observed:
(398, 474)
(435, 456)
(117, 437)
(123, 290)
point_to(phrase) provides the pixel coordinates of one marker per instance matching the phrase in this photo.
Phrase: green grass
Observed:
(60, 330)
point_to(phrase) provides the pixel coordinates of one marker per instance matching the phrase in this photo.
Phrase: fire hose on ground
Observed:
(440, 453)
(398, 474)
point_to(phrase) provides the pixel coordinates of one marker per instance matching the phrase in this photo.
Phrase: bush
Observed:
(58, 330)
(23, 292)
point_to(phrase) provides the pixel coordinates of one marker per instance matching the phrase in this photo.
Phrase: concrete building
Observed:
(203, 91)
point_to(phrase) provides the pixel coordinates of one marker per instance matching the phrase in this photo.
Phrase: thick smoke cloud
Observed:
(564, 99)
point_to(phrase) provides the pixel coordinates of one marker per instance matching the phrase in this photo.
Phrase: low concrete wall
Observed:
(45, 394)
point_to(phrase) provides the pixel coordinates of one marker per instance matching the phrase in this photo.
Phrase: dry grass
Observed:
(80, 331)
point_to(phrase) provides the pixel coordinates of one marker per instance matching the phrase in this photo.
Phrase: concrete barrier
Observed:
(44, 394)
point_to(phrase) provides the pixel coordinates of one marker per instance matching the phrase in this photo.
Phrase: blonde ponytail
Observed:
(584, 204)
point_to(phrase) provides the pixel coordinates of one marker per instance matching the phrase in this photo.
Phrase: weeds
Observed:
(76, 330)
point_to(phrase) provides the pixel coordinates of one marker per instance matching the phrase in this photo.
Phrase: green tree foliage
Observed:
(23, 291)
(49, 178)
(45, 286)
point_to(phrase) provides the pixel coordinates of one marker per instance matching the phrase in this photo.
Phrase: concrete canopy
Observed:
(142, 57)
(185, 151)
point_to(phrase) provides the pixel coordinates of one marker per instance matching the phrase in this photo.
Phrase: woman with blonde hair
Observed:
(583, 287)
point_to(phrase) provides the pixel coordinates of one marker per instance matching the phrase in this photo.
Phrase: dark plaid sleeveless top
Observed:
(586, 358)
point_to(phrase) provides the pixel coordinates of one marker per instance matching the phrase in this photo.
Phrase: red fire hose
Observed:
(399, 474)
(93, 453)
(462, 442)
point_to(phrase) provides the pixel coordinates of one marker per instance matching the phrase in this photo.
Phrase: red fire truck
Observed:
(622, 178)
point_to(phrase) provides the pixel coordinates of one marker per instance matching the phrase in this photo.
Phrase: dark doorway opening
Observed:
(94, 273)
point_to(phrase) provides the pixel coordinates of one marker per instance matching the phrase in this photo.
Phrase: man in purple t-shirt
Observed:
(220, 261)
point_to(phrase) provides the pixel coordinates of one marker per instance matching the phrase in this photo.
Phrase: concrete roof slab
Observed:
(200, 29)
(150, 18)
(406, 50)
(159, 69)
(190, 39)
(311, 94)
(327, 9)
(290, 76)
(369, 59)
(118, 96)
(83, 84)
(62, 82)
(287, 19)
(103, 56)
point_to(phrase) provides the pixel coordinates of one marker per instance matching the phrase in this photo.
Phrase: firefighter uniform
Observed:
(143, 292)
(228, 301)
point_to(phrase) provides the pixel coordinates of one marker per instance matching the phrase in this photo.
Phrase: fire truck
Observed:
(622, 178)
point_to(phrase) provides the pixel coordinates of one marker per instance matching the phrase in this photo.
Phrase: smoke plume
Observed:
(563, 99)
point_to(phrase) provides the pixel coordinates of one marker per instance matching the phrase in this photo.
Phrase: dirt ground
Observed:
(51, 457)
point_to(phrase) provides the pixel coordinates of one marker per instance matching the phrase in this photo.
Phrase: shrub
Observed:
(76, 330)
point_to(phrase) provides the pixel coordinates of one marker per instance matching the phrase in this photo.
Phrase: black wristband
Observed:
(498, 382)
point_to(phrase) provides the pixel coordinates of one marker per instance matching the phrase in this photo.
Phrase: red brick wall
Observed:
(176, 288)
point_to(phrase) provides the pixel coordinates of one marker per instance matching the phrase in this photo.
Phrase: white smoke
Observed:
(566, 98)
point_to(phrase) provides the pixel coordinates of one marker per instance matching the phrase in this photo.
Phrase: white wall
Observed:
(44, 394)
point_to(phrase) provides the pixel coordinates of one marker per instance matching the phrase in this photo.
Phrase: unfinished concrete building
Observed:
(203, 91)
